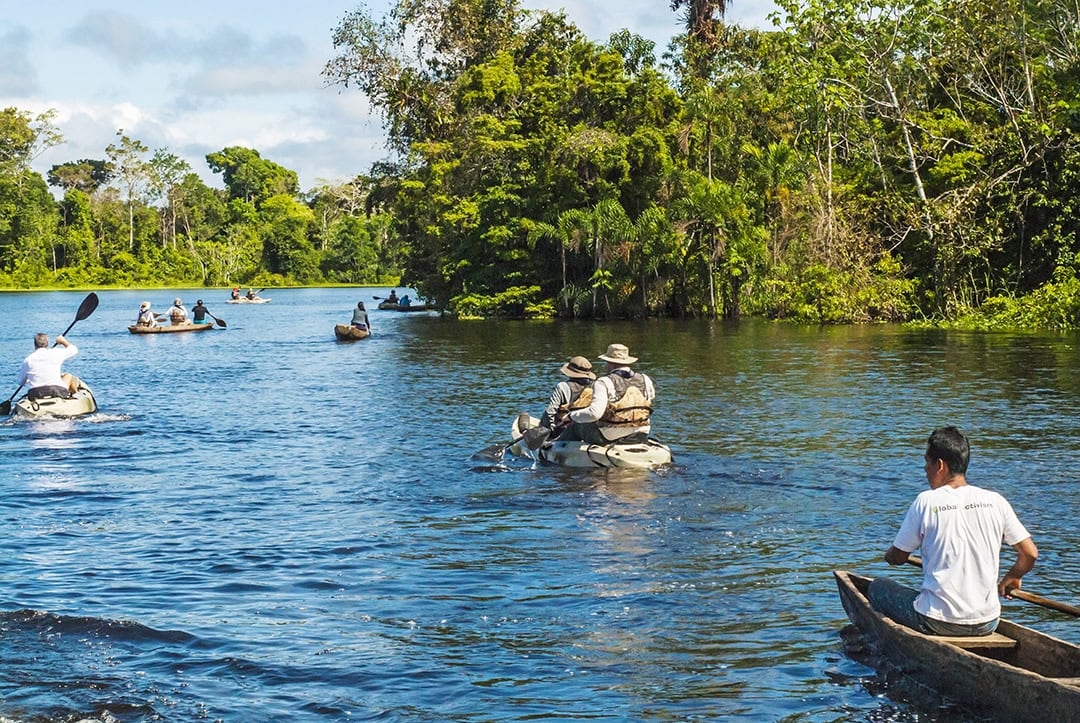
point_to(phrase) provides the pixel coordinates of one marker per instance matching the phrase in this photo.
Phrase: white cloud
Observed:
(17, 74)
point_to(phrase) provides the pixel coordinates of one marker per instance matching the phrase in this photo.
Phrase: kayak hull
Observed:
(348, 332)
(391, 306)
(644, 455)
(79, 405)
(169, 328)
(248, 301)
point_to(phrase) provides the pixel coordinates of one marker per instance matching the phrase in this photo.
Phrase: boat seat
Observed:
(993, 641)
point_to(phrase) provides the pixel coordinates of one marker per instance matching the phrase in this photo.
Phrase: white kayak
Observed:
(245, 300)
(639, 455)
(82, 403)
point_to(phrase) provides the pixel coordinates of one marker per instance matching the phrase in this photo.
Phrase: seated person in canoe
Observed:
(620, 407)
(177, 313)
(575, 392)
(41, 369)
(147, 317)
(199, 312)
(360, 317)
(959, 528)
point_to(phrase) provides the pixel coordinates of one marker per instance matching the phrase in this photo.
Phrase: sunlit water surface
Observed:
(262, 523)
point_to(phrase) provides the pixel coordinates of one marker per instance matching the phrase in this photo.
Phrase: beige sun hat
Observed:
(144, 305)
(578, 368)
(177, 302)
(618, 354)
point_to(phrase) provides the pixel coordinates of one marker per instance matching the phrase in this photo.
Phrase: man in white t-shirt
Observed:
(959, 528)
(41, 370)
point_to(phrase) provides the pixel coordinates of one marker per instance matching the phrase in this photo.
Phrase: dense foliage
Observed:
(136, 218)
(868, 160)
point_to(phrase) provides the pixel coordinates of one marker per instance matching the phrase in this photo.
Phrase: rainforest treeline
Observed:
(862, 161)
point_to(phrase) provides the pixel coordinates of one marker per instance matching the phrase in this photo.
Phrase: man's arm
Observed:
(596, 409)
(1026, 555)
(896, 556)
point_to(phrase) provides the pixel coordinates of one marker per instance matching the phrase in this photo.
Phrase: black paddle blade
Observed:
(220, 322)
(5, 408)
(494, 453)
(535, 437)
(86, 308)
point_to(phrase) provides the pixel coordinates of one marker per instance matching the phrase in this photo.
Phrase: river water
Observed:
(262, 523)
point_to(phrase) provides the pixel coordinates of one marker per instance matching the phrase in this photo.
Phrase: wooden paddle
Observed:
(86, 308)
(1025, 596)
(534, 437)
(220, 322)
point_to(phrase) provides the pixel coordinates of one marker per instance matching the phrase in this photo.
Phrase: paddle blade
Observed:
(494, 453)
(535, 437)
(221, 323)
(5, 408)
(86, 308)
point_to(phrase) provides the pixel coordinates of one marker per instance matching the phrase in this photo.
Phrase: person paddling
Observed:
(41, 369)
(360, 317)
(573, 393)
(199, 312)
(959, 528)
(621, 404)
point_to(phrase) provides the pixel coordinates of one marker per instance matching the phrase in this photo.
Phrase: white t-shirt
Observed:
(960, 531)
(43, 366)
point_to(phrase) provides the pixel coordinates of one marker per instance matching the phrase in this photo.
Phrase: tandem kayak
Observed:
(1015, 673)
(169, 328)
(242, 300)
(348, 332)
(77, 405)
(642, 455)
(391, 306)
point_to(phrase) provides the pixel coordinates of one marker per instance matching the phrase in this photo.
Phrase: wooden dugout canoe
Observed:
(1016, 674)
(348, 332)
(168, 328)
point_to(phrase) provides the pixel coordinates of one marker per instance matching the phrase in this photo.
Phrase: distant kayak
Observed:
(78, 405)
(391, 306)
(243, 300)
(169, 328)
(348, 332)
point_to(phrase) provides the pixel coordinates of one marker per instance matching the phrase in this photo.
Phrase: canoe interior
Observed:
(348, 332)
(168, 328)
(1018, 673)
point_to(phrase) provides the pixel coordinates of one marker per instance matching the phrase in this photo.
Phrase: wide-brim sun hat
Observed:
(144, 305)
(578, 368)
(177, 302)
(618, 354)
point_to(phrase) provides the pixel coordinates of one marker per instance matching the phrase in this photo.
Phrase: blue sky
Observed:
(198, 76)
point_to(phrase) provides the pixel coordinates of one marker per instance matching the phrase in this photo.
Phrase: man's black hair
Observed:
(950, 446)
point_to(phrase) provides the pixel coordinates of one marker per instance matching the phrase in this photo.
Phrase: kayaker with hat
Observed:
(573, 393)
(621, 404)
(146, 316)
(177, 312)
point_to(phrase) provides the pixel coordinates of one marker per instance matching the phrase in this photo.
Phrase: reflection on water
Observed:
(261, 523)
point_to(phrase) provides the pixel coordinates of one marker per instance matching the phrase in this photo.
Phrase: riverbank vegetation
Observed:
(863, 161)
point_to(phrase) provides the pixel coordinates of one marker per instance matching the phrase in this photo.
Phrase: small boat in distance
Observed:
(1016, 673)
(243, 300)
(78, 405)
(169, 328)
(348, 332)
